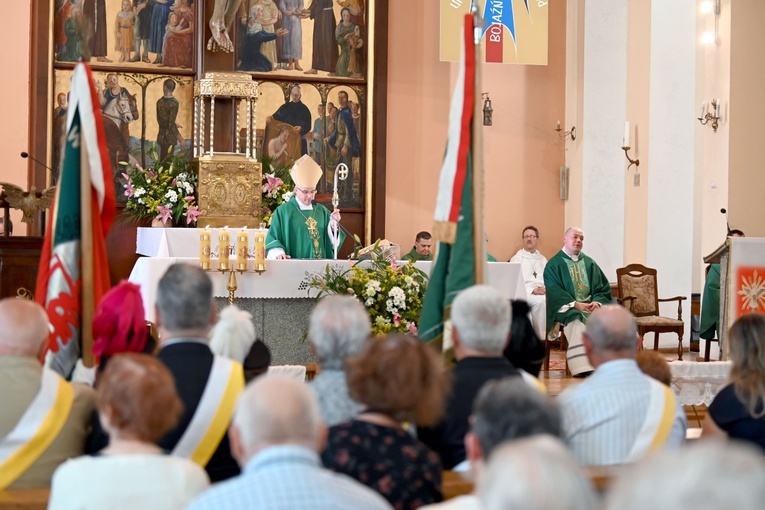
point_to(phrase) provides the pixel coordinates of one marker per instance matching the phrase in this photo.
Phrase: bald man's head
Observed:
(23, 327)
(612, 329)
(275, 410)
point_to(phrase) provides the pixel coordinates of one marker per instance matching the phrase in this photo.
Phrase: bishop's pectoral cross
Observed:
(311, 224)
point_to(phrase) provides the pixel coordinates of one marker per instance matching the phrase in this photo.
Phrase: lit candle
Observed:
(204, 248)
(224, 247)
(626, 141)
(242, 245)
(701, 110)
(260, 248)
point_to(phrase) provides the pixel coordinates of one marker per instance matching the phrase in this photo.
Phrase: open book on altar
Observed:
(381, 248)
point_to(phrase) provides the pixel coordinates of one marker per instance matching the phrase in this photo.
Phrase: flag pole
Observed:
(86, 256)
(479, 242)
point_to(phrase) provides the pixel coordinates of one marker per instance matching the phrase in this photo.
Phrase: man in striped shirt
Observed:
(618, 415)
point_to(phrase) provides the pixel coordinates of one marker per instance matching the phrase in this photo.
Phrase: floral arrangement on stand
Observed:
(392, 291)
(163, 192)
(277, 187)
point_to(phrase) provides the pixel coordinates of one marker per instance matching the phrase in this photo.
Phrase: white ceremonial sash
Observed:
(38, 427)
(658, 422)
(533, 382)
(213, 415)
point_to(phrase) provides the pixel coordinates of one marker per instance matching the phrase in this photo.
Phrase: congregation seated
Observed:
(536, 473)
(505, 410)
(29, 389)
(398, 379)
(276, 435)
(525, 349)
(207, 384)
(118, 327)
(738, 410)
(708, 475)
(138, 403)
(480, 327)
(618, 415)
(339, 328)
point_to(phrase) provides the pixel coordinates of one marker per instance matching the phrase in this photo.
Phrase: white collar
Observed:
(304, 207)
(575, 258)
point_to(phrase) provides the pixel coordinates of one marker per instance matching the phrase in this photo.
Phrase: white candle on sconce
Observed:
(626, 140)
(717, 109)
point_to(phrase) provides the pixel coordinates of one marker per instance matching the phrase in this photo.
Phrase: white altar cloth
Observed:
(289, 279)
(697, 383)
(179, 242)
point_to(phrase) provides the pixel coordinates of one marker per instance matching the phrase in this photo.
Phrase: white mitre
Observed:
(305, 173)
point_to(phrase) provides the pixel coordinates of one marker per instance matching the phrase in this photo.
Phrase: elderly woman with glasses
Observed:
(301, 228)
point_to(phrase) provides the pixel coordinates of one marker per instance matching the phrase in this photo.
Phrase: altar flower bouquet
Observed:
(276, 188)
(390, 290)
(166, 191)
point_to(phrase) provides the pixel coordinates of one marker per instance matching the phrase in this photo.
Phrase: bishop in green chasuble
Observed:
(301, 228)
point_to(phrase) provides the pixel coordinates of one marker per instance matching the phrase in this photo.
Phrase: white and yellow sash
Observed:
(658, 422)
(213, 415)
(38, 427)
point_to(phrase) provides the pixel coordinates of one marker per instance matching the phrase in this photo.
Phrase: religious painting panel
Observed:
(143, 35)
(307, 38)
(323, 121)
(140, 111)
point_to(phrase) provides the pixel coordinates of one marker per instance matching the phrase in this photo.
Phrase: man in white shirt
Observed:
(276, 435)
(618, 414)
(533, 267)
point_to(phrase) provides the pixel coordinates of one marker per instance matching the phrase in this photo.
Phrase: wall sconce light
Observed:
(487, 109)
(626, 147)
(565, 135)
(710, 7)
(713, 116)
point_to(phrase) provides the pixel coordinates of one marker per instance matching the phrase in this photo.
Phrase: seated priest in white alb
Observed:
(301, 228)
(533, 267)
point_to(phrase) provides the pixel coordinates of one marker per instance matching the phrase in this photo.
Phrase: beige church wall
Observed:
(638, 87)
(746, 180)
(522, 151)
(574, 108)
(714, 76)
(14, 105)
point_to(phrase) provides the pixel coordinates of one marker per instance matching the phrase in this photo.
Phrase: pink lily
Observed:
(396, 319)
(272, 183)
(412, 328)
(189, 198)
(192, 214)
(164, 213)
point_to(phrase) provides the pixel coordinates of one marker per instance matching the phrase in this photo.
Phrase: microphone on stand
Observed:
(347, 232)
(26, 155)
(727, 225)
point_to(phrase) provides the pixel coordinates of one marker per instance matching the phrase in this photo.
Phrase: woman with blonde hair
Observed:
(738, 410)
(137, 403)
(398, 379)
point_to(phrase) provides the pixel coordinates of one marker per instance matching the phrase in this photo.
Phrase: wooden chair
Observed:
(639, 293)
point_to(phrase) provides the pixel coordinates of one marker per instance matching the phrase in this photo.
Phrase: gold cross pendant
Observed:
(311, 224)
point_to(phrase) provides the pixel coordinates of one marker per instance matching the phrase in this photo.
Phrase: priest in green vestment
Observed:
(576, 287)
(710, 299)
(300, 228)
(422, 249)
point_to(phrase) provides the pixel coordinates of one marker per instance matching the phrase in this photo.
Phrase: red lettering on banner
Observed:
(494, 43)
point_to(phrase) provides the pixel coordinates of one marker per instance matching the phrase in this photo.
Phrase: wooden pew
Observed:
(453, 483)
(24, 499)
